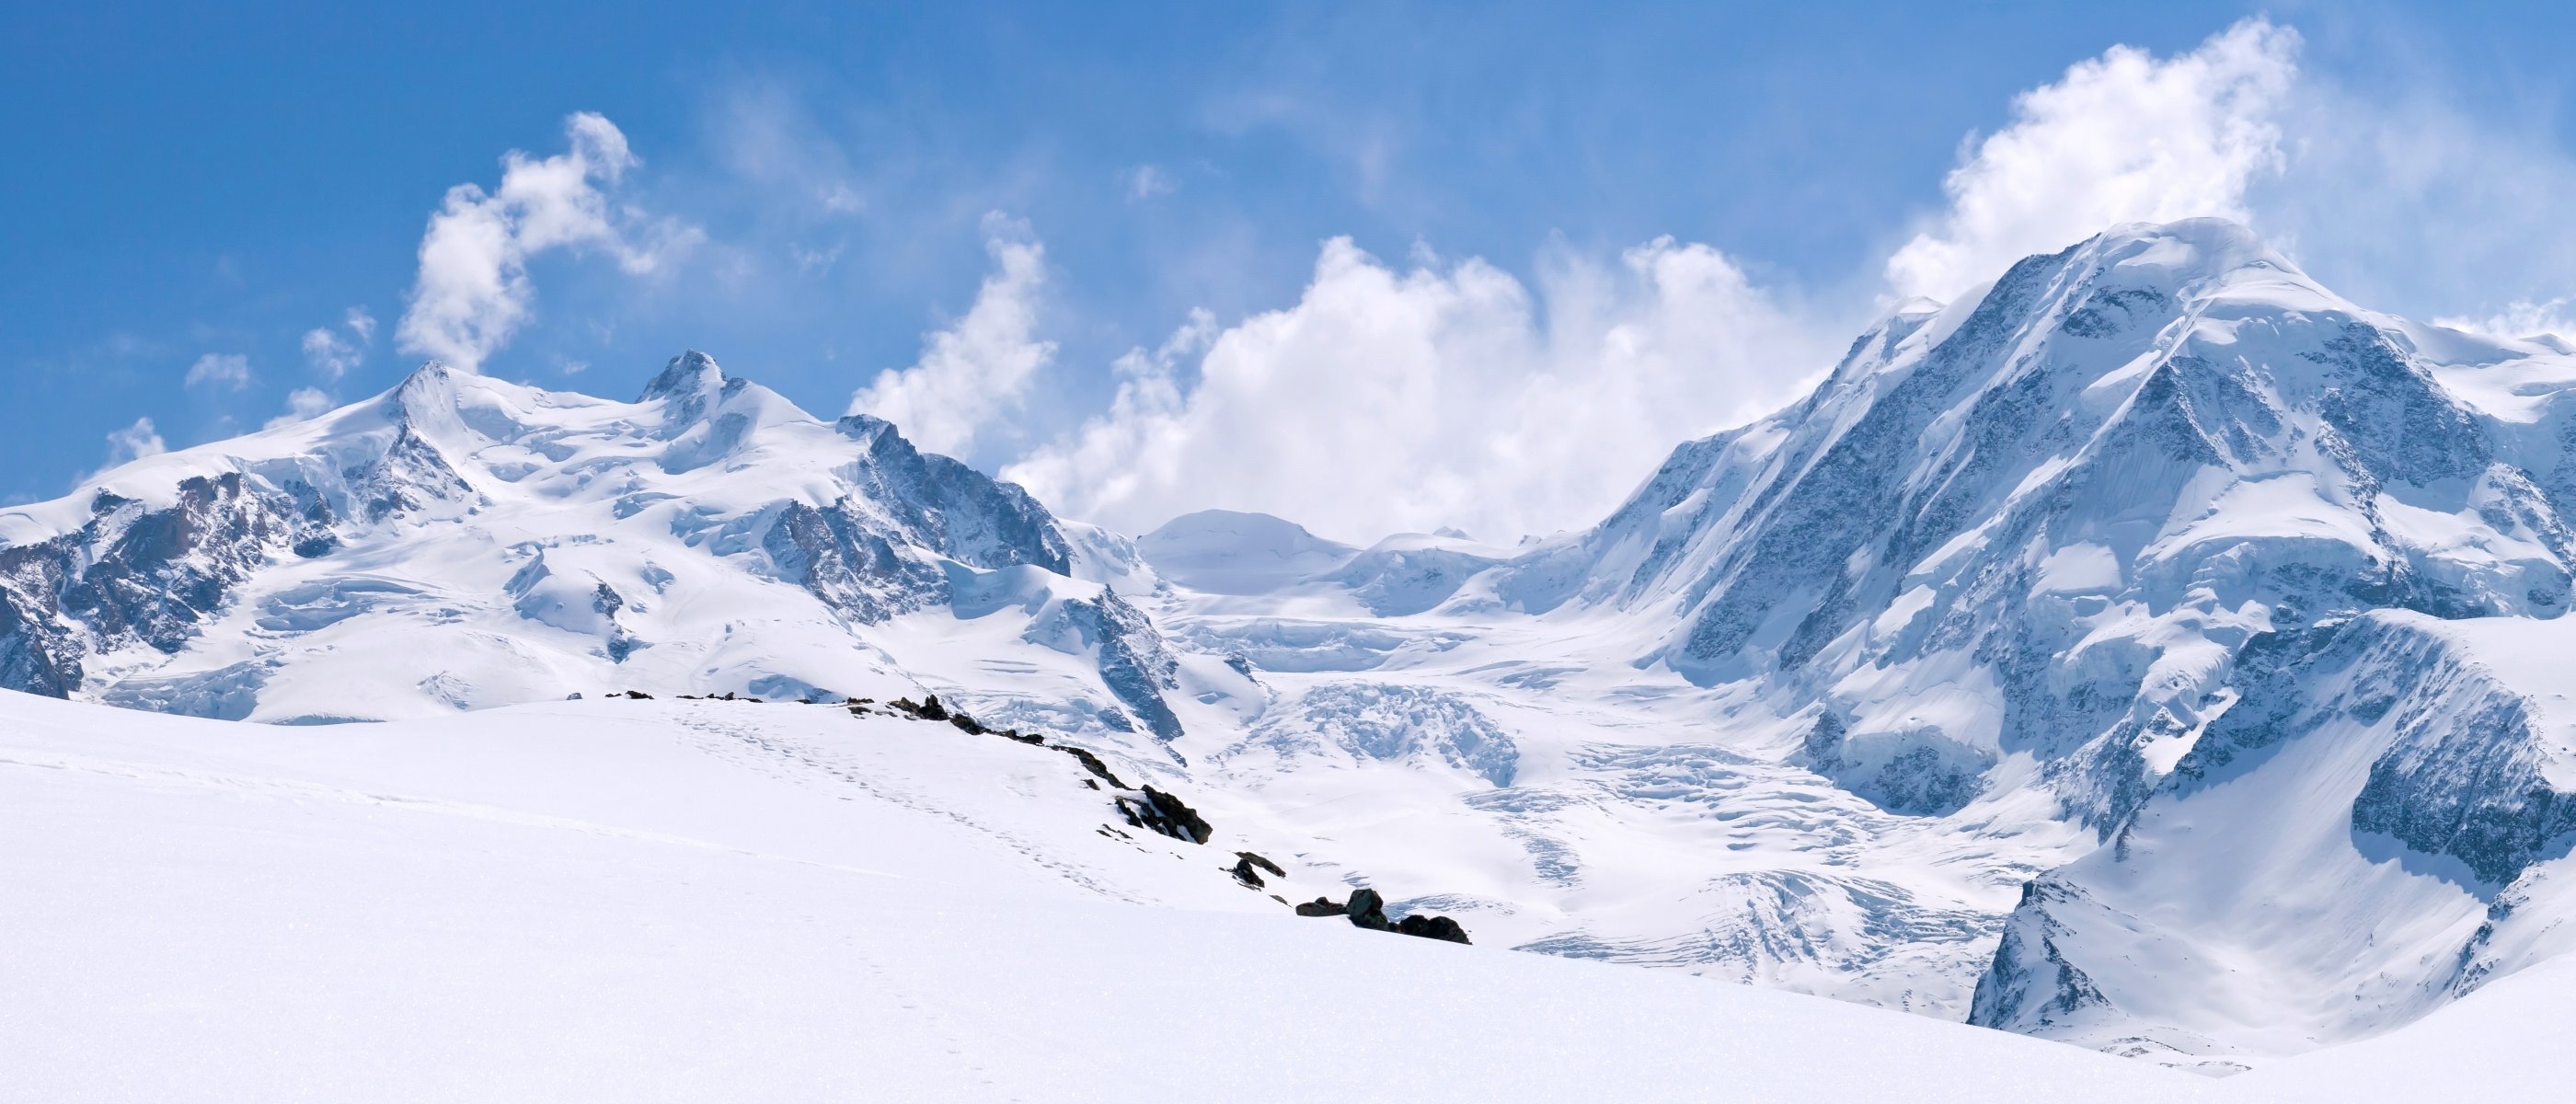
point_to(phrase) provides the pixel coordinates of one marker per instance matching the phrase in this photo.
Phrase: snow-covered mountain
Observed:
(2028, 606)
(462, 542)
(2150, 650)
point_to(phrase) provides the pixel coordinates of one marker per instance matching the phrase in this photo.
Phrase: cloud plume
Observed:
(473, 292)
(2121, 138)
(979, 368)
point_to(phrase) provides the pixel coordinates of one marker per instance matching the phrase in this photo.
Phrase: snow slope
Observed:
(621, 900)
(2148, 650)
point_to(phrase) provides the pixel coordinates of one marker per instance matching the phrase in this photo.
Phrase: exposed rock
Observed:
(1432, 927)
(1091, 763)
(1322, 906)
(1164, 813)
(1368, 910)
(639, 695)
(1263, 863)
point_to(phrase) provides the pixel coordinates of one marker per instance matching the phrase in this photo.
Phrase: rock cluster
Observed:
(1368, 910)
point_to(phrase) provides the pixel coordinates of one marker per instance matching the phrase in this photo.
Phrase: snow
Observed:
(612, 900)
(2149, 651)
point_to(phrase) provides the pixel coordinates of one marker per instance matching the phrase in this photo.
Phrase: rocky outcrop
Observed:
(1157, 811)
(1366, 909)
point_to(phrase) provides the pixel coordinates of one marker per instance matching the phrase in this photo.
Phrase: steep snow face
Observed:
(463, 542)
(2162, 530)
(2380, 826)
(2040, 523)
(1821, 702)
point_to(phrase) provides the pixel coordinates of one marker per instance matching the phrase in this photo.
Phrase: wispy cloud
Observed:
(473, 291)
(1146, 182)
(132, 443)
(302, 405)
(226, 370)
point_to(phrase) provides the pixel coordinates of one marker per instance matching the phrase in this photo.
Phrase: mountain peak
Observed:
(690, 373)
(2187, 250)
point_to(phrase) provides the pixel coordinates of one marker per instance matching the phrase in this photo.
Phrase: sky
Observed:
(1374, 268)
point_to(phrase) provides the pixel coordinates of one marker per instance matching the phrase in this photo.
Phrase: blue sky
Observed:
(1025, 205)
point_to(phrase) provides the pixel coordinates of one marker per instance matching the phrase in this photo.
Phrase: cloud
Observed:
(130, 444)
(302, 405)
(2520, 318)
(1389, 399)
(2121, 138)
(229, 370)
(1145, 182)
(332, 355)
(473, 291)
(980, 367)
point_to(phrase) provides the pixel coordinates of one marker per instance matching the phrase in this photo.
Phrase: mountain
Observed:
(2150, 650)
(463, 542)
(2239, 577)
(2160, 626)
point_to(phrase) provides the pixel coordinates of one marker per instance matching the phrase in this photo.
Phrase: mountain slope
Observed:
(462, 542)
(718, 900)
(2011, 584)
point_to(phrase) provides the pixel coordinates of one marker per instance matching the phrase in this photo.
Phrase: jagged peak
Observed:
(434, 378)
(690, 373)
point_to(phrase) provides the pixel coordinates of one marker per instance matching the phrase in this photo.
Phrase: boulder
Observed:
(1368, 910)
(1432, 927)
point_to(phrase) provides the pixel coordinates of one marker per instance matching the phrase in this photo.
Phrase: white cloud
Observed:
(1389, 400)
(841, 199)
(2520, 318)
(328, 354)
(132, 443)
(302, 405)
(1147, 181)
(473, 291)
(332, 355)
(980, 367)
(231, 370)
(2121, 138)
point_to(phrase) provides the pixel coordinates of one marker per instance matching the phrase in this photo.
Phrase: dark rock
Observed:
(1244, 873)
(1029, 738)
(966, 724)
(931, 710)
(1263, 863)
(1322, 906)
(639, 695)
(1093, 764)
(1432, 927)
(1164, 813)
(1368, 910)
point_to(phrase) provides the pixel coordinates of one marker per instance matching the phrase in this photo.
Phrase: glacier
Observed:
(2150, 650)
